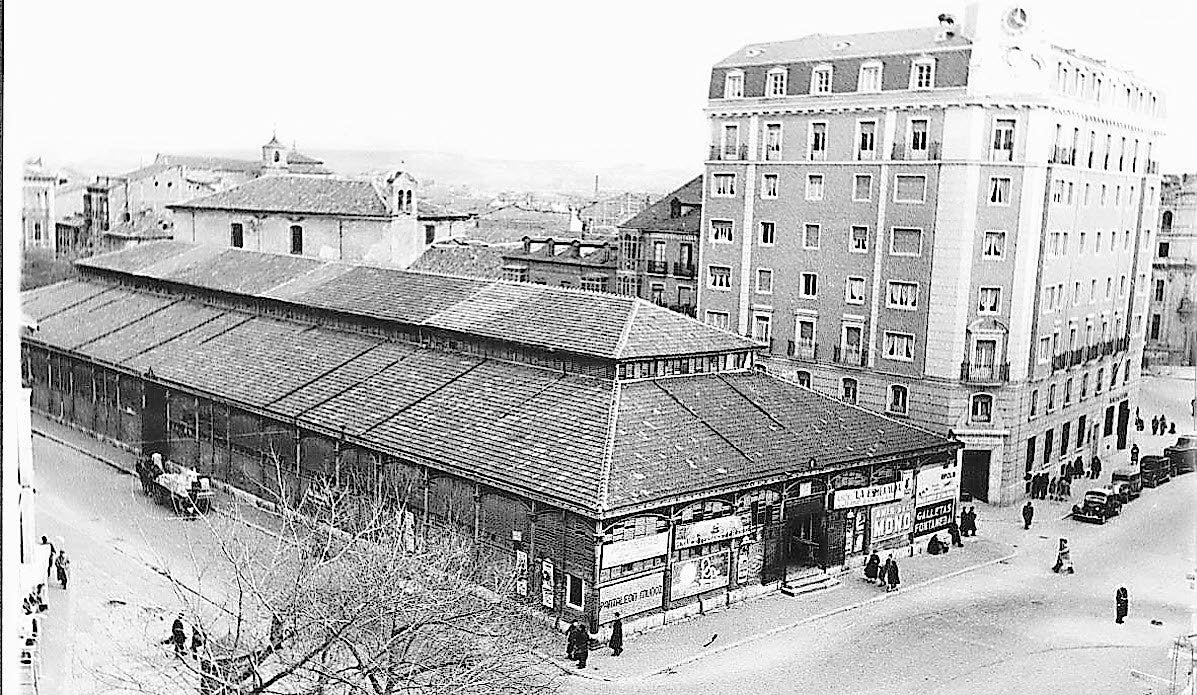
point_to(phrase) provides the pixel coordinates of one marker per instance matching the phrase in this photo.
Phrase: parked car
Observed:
(1183, 454)
(1121, 490)
(1131, 477)
(1154, 470)
(1098, 505)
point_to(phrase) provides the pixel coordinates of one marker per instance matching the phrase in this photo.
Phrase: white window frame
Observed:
(910, 201)
(980, 292)
(910, 137)
(918, 290)
(760, 233)
(893, 236)
(860, 77)
(765, 140)
(984, 235)
(727, 78)
(716, 177)
(852, 238)
(805, 238)
(855, 390)
(858, 325)
(769, 82)
(765, 187)
(800, 319)
(889, 399)
(869, 188)
(848, 290)
(764, 318)
(810, 141)
(724, 127)
(885, 347)
(1044, 356)
(758, 281)
(822, 68)
(802, 286)
(863, 155)
(711, 277)
(722, 324)
(1009, 190)
(711, 231)
(914, 73)
(569, 581)
(822, 186)
(994, 155)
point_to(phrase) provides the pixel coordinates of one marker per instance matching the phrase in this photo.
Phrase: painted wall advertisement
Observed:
(892, 519)
(699, 574)
(934, 517)
(936, 483)
(546, 583)
(631, 597)
(623, 552)
(708, 531)
(873, 494)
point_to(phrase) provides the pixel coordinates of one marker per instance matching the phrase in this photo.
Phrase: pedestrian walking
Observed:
(1155, 424)
(1066, 489)
(1053, 489)
(616, 641)
(883, 576)
(50, 562)
(63, 565)
(1171, 428)
(972, 521)
(1063, 558)
(1028, 513)
(178, 636)
(892, 579)
(954, 533)
(1095, 468)
(1163, 424)
(577, 643)
(1134, 454)
(1121, 604)
(872, 567)
(197, 639)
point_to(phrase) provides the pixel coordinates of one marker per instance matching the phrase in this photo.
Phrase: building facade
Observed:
(950, 224)
(588, 265)
(38, 214)
(609, 454)
(658, 250)
(1171, 319)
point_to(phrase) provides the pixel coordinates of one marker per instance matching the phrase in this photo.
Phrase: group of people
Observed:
(885, 575)
(178, 637)
(968, 521)
(1044, 487)
(577, 641)
(1160, 425)
(59, 563)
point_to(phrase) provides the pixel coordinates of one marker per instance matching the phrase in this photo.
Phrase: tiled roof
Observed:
(535, 432)
(468, 260)
(248, 166)
(428, 210)
(825, 46)
(554, 318)
(659, 216)
(147, 224)
(312, 195)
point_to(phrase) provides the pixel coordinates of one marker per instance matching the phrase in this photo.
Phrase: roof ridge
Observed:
(609, 447)
(622, 343)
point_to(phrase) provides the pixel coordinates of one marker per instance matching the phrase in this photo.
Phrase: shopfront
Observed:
(937, 489)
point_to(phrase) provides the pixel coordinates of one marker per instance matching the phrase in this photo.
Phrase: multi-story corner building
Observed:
(952, 224)
(658, 250)
(38, 210)
(1172, 312)
(589, 265)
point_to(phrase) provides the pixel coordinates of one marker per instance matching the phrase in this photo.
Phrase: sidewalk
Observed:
(676, 644)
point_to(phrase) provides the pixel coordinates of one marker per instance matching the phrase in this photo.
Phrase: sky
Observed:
(599, 83)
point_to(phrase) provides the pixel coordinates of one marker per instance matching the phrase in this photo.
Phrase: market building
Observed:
(612, 454)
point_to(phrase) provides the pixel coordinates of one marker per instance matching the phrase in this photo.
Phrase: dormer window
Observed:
(870, 77)
(820, 80)
(733, 85)
(776, 83)
(922, 74)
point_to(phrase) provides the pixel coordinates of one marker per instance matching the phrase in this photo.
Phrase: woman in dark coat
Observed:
(872, 567)
(892, 580)
(1121, 604)
(616, 641)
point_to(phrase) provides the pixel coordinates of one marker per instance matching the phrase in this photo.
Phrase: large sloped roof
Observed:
(313, 195)
(830, 46)
(596, 446)
(659, 215)
(553, 318)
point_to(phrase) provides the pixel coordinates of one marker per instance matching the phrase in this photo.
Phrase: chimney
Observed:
(947, 27)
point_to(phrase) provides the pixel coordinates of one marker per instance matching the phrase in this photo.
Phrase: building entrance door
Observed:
(974, 474)
(804, 541)
(153, 421)
(1123, 423)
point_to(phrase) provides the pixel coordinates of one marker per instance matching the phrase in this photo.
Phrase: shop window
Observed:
(574, 592)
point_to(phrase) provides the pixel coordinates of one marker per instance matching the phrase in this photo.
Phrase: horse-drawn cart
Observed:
(181, 488)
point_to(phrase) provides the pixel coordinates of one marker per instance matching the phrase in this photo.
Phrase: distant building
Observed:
(38, 214)
(603, 216)
(144, 226)
(224, 172)
(332, 218)
(461, 258)
(589, 265)
(1172, 311)
(440, 223)
(659, 250)
(514, 221)
(105, 205)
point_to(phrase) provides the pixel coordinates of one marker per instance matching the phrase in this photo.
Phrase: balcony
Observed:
(685, 309)
(772, 154)
(849, 355)
(1107, 348)
(1092, 352)
(1059, 362)
(1122, 344)
(684, 270)
(1002, 154)
(729, 153)
(1076, 357)
(1062, 155)
(984, 373)
(803, 350)
(658, 267)
(904, 152)
(1153, 167)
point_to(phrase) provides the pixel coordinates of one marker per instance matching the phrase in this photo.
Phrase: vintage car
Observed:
(1154, 470)
(1098, 505)
(1121, 490)
(1131, 477)
(1183, 454)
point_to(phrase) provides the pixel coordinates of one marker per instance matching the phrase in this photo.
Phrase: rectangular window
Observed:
(768, 233)
(993, 245)
(1051, 398)
(817, 143)
(574, 591)
(762, 327)
(810, 236)
(731, 141)
(777, 83)
(718, 319)
(1159, 290)
(898, 400)
(772, 141)
(860, 240)
(899, 346)
(237, 235)
(1155, 327)
(1034, 402)
(990, 300)
(922, 74)
(867, 142)
(1048, 444)
(1084, 386)
(1068, 392)
(906, 242)
(810, 286)
(918, 136)
(1165, 248)
(296, 240)
(733, 85)
(719, 277)
(1030, 460)
(814, 187)
(769, 186)
(999, 190)
(1045, 349)
(724, 185)
(870, 78)
(902, 295)
(848, 394)
(820, 80)
(862, 187)
(1003, 140)
(854, 292)
(721, 231)
(909, 188)
(764, 281)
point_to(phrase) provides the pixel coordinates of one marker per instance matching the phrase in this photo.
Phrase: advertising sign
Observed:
(936, 483)
(708, 531)
(631, 597)
(933, 517)
(699, 574)
(546, 583)
(892, 519)
(521, 573)
(623, 552)
(873, 494)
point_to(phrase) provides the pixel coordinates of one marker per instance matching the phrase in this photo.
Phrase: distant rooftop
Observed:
(312, 195)
(660, 216)
(821, 46)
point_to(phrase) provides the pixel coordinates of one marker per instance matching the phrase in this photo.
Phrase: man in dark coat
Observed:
(63, 564)
(892, 580)
(1155, 424)
(576, 643)
(1028, 513)
(178, 636)
(616, 641)
(50, 564)
(1121, 604)
(883, 576)
(1095, 468)
(954, 532)
(872, 567)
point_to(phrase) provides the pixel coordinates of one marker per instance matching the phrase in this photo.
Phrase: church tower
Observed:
(274, 156)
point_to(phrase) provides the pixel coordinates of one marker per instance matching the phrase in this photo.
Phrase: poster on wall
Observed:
(521, 573)
(892, 519)
(708, 531)
(624, 552)
(937, 483)
(934, 517)
(546, 583)
(631, 597)
(699, 574)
